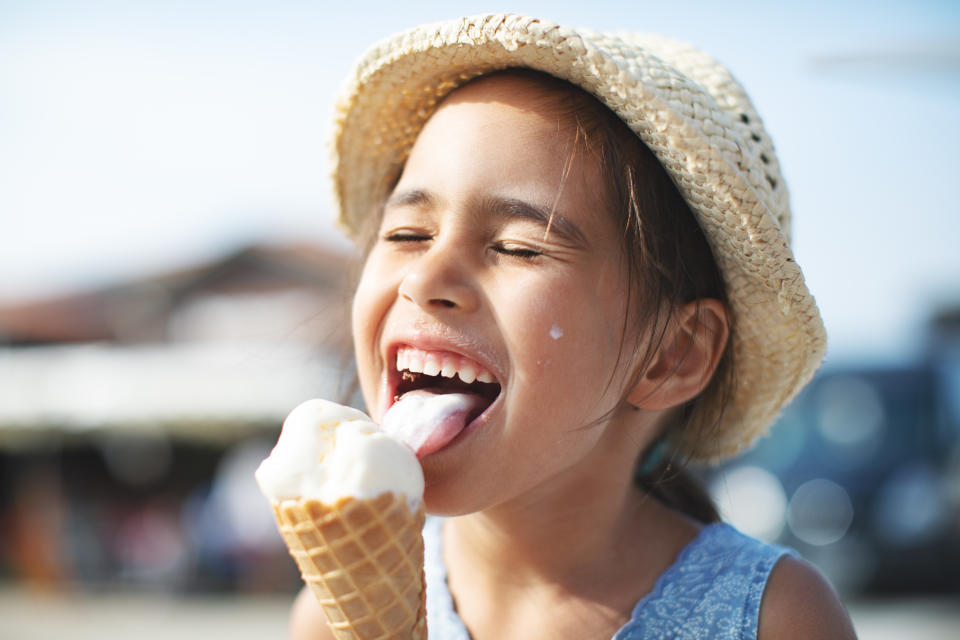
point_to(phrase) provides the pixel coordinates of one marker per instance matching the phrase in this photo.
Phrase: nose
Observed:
(440, 279)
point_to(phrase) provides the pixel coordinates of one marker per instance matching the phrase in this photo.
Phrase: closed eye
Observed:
(517, 251)
(405, 236)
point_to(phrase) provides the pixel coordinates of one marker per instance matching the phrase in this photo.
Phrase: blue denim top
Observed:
(711, 591)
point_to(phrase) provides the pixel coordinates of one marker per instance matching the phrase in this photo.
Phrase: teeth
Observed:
(467, 373)
(449, 369)
(409, 360)
(439, 364)
(431, 366)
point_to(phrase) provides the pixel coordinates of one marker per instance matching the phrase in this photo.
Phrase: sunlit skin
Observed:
(554, 539)
(455, 268)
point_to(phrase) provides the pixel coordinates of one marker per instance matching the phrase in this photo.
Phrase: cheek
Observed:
(559, 328)
(532, 320)
(361, 310)
(568, 343)
(360, 320)
(371, 301)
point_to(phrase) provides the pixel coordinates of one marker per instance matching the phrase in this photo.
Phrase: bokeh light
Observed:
(751, 499)
(911, 506)
(851, 417)
(820, 512)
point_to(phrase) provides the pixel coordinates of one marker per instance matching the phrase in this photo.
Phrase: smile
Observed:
(443, 371)
(443, 364)
(437, 395)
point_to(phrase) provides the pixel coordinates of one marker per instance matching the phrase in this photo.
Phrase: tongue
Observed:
(426, 420)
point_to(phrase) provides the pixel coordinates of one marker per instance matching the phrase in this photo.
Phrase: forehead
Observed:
(508, 137)
(516, 109)
(521, 93)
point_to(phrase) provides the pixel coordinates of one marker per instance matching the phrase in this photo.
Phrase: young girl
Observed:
(587, 237)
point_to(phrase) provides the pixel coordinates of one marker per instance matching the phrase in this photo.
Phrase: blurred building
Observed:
(132, 417)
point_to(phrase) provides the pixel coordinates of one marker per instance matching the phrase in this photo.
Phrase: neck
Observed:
(573, 530)
(551, 539)
(570, 558)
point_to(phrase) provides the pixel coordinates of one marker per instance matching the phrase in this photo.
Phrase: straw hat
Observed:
(685, 107)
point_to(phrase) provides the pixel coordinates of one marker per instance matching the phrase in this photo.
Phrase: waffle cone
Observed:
(363, 559)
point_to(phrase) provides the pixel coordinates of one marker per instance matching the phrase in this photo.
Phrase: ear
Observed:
(686, 359)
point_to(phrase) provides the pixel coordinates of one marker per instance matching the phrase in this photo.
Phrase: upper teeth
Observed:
(437, 363)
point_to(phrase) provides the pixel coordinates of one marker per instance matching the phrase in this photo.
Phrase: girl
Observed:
(586, 236)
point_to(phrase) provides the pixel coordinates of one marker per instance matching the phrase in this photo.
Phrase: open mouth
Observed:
(436, 395)
(442, 372)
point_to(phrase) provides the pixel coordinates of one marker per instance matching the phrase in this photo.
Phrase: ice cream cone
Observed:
(363, 559)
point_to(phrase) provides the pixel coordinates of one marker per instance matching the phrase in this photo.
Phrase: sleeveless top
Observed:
(711, 591)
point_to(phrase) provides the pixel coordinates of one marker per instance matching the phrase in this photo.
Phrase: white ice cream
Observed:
(327, 451)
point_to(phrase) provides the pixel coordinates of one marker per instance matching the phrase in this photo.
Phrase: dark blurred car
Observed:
(861, 474)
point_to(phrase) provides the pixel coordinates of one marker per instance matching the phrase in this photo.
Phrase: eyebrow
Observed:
(553, 222)
(411, 198)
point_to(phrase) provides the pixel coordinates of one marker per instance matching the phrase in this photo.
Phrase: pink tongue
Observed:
(426, 420)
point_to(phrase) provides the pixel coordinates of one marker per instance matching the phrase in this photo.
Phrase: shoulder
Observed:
(798, 602)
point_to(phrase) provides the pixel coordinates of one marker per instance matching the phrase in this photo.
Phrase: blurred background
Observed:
(171, 284)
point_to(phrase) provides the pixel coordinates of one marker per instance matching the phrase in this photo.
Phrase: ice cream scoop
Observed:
(348, 501)
(327, 451)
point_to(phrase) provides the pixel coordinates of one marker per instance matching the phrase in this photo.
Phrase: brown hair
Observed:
(668, 264)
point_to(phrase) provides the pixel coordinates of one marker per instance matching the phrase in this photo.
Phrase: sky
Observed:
(137, 137)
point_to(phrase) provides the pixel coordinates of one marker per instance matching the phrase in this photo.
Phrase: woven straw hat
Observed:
(685, 107)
